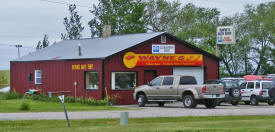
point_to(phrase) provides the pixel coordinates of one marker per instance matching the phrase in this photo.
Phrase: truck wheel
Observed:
(161, 104)
(189, 101)
(235, 103)
(235, 92)
(246, 102)
(141, 100)
(210, 103)
(270, 103)
(254, 100)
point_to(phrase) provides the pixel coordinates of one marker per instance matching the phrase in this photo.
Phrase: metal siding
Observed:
(115, 63)
(56, 76)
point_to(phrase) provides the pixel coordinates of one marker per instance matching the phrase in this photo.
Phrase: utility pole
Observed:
(18, 46)
(217, 47)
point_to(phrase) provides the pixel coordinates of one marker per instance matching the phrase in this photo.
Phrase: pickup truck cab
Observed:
(257, 91)
(179, 88)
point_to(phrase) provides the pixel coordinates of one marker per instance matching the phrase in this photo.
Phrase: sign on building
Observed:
(163, 49)
(226, 35)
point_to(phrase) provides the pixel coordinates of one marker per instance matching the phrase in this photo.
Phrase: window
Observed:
(250, 85)
(257, 85)
(91, 80)
(186, 80)
(123, 80)
(163, 39)
(267, 85)
(38, 77)
(168, 81)
(157, 81)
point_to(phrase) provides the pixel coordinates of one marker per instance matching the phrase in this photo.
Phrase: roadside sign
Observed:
(226, 35)
(61, 97)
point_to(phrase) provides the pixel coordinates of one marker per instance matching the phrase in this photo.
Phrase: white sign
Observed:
(163, 49)
(61, 97)
(225, 35)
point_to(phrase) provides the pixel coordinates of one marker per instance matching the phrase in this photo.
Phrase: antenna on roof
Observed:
(79, 49)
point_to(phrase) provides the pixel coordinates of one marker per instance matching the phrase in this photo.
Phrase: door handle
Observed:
(251, 90)
(171, 87)
(157, 88)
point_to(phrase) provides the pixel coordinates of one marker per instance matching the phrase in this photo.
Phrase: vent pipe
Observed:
(106, 32)
(79, 49)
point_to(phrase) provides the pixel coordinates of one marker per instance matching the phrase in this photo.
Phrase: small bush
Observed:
(69, 99)
(12, 95)
(25, 107)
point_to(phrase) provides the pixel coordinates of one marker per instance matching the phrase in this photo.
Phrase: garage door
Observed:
(197, 72)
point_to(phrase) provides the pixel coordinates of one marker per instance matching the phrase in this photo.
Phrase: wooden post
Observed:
(217, 47)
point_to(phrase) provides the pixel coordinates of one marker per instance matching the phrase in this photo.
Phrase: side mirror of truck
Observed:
(149, 84)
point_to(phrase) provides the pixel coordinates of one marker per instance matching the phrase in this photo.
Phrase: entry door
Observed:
(149, 75)
(247, 92)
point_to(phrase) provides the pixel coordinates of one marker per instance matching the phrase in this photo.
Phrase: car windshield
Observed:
(230, 84)
(267, 85)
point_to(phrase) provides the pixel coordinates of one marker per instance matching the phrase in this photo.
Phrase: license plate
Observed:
(217, 95)
(226, 93)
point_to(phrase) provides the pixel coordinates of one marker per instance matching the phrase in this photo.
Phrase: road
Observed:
(152, 110)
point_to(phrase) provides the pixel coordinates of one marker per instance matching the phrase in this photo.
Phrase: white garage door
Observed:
(197, 72)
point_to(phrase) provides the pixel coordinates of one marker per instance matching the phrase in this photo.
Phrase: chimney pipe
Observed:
(79, 49)
(106, 32)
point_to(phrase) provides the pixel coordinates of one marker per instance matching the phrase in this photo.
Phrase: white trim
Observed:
(37, 76)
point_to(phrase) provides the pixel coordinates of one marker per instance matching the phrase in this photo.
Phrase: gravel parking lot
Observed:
(151, 110)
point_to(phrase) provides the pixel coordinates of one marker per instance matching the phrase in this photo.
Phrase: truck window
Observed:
(267, 85)
(185, 80)
(168, 81)
(250, 85)
(156, 81)
(257, 85)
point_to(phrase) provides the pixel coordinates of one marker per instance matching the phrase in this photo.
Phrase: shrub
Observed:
(12, 95)
(69, 99)
(25, 107)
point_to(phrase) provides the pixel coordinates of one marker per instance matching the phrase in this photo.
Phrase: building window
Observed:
(38, 77)
(91, 80)
(163, 39)
(123, 80)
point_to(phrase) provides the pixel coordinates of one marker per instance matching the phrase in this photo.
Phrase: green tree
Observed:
(124, 17)
(72, 25)
(45, 43)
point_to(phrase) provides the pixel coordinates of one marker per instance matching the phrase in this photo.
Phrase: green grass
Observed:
(178, 124)
(14, 105)
(4, 78)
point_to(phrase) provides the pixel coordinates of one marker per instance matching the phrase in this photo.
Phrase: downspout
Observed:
(102, 80)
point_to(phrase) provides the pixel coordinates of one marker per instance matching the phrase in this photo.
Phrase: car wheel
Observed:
(254, 100)
(235, 92)
(246, 102)
(189, 101)
(161, 104)
(234, 103)
(270, 103)
(210, 103)
(141, 100)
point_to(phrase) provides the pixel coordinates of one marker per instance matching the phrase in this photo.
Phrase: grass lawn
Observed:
(178, 124)
(13, 105)
(4, 78)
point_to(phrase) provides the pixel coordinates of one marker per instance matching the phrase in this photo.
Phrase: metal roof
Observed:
(90, 48)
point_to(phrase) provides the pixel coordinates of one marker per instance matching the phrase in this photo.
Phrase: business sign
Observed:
(82, 67)
(163, 49)
(225, 35)
(132, 60)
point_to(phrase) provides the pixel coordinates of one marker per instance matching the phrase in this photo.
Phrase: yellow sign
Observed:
(82, 67)
(131, 59)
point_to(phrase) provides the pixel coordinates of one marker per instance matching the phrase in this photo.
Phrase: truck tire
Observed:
(234, 92)
(210, 103)
(189, 101)
(271, 92)
(270, 102)
(234, 103)
(161, 104)
(141, 100)
(246, 102)
(254, 100)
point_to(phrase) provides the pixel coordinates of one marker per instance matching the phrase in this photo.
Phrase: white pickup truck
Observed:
(179, 88)
(257, 91)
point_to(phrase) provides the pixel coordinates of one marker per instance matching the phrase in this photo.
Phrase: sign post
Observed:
(65, 111)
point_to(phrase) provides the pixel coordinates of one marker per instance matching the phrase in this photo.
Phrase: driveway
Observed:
(152, 110)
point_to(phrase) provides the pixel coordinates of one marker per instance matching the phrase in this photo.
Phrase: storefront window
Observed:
(91, 80)
(123, 80)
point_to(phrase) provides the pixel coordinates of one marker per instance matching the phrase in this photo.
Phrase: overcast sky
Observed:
(26, 21)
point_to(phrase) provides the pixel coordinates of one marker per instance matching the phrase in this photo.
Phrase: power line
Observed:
(63, 3)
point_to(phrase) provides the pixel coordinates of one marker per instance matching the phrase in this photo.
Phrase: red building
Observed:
(116, 64)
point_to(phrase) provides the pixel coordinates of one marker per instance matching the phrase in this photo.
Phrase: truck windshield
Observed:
(267, 85)
(230, 84)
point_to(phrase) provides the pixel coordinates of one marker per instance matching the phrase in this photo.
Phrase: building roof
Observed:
(94, 48)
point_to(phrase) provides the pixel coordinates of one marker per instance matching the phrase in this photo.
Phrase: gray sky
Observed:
(26, 21)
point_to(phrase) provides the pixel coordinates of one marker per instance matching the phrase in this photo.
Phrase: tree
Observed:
(45, 43)
(124, 17)
(72, 25)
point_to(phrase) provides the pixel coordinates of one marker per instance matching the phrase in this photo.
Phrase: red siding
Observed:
(115, 63)
(56, 76)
